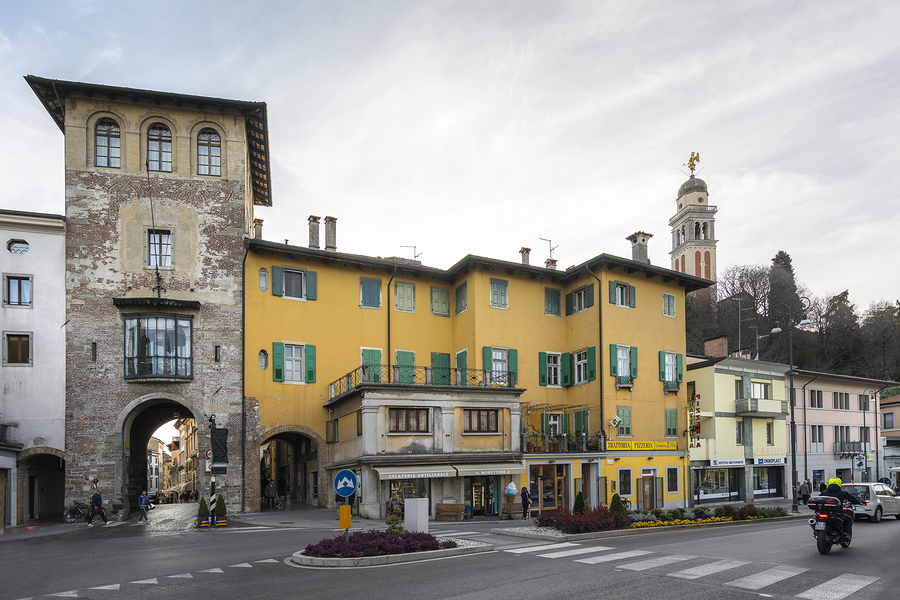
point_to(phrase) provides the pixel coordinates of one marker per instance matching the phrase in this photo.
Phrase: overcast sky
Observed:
(481, 127)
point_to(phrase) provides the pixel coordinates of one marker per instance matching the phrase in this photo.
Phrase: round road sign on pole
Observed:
(209, 454)
(345, 483)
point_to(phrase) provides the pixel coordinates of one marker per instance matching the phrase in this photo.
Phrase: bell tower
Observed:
(694, 228)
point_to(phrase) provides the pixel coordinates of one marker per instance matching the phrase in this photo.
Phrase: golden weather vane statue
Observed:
(692, 162)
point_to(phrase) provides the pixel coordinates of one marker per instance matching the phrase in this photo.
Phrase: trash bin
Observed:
(468, 513)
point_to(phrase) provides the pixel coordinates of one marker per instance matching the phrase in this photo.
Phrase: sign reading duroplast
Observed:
(345, 483)
(770, 461)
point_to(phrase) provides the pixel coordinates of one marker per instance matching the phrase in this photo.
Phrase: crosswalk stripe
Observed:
(541, 548)
(575, 551)
(838, 588)
(660, 561)
(757, 581)
(708, 569)
(611, 557)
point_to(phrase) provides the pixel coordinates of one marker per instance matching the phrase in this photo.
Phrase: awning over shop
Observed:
(415, 472)
(485, 469)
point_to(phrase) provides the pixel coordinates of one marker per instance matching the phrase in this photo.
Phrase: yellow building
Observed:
(738, 439)
(453, 383)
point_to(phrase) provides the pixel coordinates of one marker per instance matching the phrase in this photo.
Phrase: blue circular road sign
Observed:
(345, 483)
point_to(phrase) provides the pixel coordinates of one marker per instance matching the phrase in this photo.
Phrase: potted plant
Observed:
(202, 513)
(220, 511)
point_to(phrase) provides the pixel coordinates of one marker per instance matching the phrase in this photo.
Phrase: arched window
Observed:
(209, 153)
(696, 231)
(159, 148)
(263, 280)
(706, 263)
(263, 360)
(704, 232)
(107, 144)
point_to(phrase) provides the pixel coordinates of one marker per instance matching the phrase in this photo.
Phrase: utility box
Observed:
(415, 514)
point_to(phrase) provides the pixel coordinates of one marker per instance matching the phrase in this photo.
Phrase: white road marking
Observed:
(241, 565)
(181, 576)
(114, 586)
(838, 588)
(216, 570)
(652, 563)
(708, 569)
(541, 548)
(611, 557)
(267, 560)
(456, 533)
(757, 581)
(148, 581)
(70, 594)
(575, 551)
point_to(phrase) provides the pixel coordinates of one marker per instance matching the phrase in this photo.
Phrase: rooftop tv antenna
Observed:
(416, 255)
(552, 247)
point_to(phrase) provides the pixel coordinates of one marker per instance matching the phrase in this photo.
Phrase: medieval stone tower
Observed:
(694, 231)
(160, 190)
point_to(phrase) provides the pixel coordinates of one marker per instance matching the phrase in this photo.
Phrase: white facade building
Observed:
(33, 396)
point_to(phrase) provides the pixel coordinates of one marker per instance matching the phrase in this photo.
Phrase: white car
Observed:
(878, 500)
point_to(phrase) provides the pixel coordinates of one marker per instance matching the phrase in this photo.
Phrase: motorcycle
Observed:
(827, 525)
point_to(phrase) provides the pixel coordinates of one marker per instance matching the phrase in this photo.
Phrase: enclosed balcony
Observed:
(420, 376)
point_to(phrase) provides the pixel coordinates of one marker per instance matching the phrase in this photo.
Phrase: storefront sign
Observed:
(617, 445)
(667, 445)
(694, 421)
(415, 472)
(728, 462)
(641, 446)
(421, 474)
(770, 461)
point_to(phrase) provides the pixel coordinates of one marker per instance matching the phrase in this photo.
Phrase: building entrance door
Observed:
(648, 497)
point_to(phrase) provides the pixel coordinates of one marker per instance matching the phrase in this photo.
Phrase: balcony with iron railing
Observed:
(849, 447)
(671, 386)
(624, 381)
(419, 376)
(562, 442)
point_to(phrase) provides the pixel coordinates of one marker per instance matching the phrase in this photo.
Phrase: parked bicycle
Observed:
(79, 512)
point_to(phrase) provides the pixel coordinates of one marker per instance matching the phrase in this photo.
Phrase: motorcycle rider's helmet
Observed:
(836, 481)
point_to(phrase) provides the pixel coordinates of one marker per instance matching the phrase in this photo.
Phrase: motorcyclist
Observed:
(834, 490)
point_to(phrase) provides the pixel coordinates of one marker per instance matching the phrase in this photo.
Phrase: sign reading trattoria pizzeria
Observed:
(640, 445)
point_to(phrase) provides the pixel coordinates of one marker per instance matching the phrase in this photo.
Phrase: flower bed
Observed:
(376, 543)
(598, 518)
(657, 523)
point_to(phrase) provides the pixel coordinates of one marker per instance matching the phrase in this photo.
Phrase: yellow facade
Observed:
(505, 312)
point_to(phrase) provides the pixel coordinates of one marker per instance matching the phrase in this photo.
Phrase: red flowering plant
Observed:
(376, 543)
(597, 518)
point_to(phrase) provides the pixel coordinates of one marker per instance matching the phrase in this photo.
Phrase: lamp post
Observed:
(804, 304)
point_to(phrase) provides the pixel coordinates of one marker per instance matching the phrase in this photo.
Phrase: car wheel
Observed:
(876, 518)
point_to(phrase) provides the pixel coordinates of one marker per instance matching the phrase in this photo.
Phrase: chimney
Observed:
(314, 232)
(550, 263)
(639, 246)
(257, 229)
(330, 234)
(716, 347)
(525, 252)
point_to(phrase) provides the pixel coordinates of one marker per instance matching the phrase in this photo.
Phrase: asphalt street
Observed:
(248, 560)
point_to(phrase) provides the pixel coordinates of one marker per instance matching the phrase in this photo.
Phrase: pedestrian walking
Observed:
(144, 505)
(270, 494)
(526, 501)
(822, 486)
(805, 489)
(97, 507)
(282, 487)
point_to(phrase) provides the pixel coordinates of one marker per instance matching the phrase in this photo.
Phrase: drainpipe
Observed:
(805, 436)
(394, 272)
(243, 384)
(599, 374)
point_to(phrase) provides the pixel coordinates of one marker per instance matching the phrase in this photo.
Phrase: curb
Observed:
(298, 558)
(574, 537)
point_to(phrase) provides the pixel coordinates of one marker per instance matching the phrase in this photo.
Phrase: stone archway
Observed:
(40, 483)
(297, 454)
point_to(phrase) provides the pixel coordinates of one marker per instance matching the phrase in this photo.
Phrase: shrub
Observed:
(220, 509)
(394, 522)
(202, 510)
(772, 511)
(617, 506)
(745, 512)
(659, 514)
(642, 518)
(725, 510)
(597, 518)
(677, 514)
(376, 543)
(579, 503)
(700, 513)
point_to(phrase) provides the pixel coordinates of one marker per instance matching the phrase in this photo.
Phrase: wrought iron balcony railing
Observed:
(848, 447)
(624, 381)
(412, 375)
(671, 386)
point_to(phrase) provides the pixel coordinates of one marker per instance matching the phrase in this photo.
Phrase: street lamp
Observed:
(804, 304)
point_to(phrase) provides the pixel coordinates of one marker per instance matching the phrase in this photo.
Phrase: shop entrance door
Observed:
(481, 495)
(648, 498)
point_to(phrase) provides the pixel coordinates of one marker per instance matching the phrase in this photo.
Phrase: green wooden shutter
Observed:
(679, 366)
(310, 363)
(612, 292)
(487, 360)
(440, 364)
(406, 362)
(462, 363)
(631, 296)
(564, 421)
(589, 296)
(568, 304)
(373, 359)
(277, 281)
(579, 422)
(277, 361)
(310, 285)
(565, 368)
(614, 360)
(545, 423)
(514, 366)
(662, 365)
(542, 368)
(592, 363)
(634, 362)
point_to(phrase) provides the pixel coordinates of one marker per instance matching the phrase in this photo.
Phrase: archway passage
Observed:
(290, 460)
(139, 428)
(41, 484)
